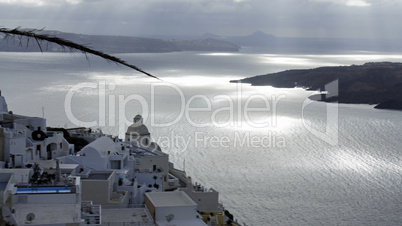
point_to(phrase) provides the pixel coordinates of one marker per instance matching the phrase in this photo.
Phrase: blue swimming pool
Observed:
(43, 190)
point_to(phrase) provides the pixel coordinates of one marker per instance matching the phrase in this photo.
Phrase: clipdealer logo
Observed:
(330, 134)
(270, 139)
(238, 108)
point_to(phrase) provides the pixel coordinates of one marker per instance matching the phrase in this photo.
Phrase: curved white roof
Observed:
(100, 146)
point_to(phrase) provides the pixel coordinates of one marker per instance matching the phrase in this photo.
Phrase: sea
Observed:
(275, 156)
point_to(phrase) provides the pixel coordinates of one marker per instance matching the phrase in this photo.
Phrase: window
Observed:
(37, 149)
(115, 164)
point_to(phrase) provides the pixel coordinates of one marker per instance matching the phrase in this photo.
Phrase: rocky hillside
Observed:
(371, 83)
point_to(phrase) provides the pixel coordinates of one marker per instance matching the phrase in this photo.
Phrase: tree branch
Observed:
(72, 46)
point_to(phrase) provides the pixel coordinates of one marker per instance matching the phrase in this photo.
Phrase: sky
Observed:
(282, 18)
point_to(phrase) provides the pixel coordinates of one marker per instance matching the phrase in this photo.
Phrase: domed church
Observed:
(138, 133)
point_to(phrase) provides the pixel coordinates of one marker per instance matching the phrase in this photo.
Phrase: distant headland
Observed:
(120, 44)
(377, 83)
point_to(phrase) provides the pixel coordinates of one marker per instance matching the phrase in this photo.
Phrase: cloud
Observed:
(28, 3)
(24, 2)
(305, 18)
(74, 1)
(357, 3)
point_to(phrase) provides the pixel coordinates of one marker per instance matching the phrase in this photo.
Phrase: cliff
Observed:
(371, 83)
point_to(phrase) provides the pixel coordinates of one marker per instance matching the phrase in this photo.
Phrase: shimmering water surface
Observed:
(275, 158)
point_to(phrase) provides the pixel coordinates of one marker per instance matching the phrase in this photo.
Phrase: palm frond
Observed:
(65, 44)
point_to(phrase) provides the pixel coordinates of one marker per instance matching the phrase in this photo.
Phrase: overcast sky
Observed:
(282, 18)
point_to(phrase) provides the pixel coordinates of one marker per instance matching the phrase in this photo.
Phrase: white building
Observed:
(24, 138)
(206, 199)
(134, 161)
(172, 208)
(24, 204)
(127, 216)
(100, 187)
(102, 154)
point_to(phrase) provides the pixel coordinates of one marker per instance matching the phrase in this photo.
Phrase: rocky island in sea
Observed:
(377, 83)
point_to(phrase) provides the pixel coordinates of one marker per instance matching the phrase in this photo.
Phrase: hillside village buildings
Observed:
(45, 181)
